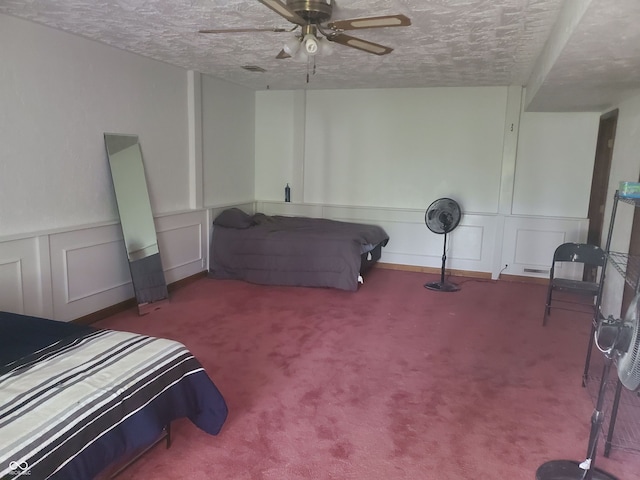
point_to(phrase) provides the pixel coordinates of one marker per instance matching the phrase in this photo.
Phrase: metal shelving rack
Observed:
(628, 266)
(621, 426)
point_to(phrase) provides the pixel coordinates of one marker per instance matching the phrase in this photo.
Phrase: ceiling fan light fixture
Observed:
(325, 47)
(317, 36)
(292, 46)
(301, 56)
(310, 44)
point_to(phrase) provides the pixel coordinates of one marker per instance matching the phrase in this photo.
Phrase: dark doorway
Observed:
(600, 180)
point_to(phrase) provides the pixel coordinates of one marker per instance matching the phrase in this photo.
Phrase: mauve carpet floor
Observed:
(392, 382)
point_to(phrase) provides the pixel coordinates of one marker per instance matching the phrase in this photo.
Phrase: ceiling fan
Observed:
(315, 33)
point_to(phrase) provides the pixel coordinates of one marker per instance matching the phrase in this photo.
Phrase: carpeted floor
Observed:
(392, 382)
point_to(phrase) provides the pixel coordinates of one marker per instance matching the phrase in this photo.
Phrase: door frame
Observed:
(600, 177)
(600, 183)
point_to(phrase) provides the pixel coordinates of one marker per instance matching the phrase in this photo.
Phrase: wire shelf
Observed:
(625, 416)
(627, 265)
(630, 200)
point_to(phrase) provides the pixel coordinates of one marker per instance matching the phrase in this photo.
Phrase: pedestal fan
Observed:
(619, 341)
(442, 217)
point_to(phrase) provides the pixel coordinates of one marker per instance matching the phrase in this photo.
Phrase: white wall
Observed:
(625, 167)
(59, 94)
(228, 136)
(279, 144)
(385, 147)
(61, 250)
(384, 155)
(404, 148)
(554, 165)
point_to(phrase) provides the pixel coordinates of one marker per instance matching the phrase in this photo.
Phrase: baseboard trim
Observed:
(462, 273)
(131, 303)
(418, 269)
(106, 312)
(524, 279)
(183, 282)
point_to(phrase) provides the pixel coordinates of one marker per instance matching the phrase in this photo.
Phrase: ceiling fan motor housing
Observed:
(313, 11)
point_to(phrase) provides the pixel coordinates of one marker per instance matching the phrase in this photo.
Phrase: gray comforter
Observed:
(298, 251)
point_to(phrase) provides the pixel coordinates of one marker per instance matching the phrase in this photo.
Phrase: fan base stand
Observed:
(568, 470)
(442, 286)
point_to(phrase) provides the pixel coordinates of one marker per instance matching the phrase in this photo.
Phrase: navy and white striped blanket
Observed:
(62, 405)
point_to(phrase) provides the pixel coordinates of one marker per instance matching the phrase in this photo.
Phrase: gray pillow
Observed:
(234, 218)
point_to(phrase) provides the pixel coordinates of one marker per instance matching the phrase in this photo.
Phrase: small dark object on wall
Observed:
(287, 193)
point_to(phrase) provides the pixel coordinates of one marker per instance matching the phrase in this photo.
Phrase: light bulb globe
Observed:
(292, 46)
(325, 47)
(310, 44)
(300, 56)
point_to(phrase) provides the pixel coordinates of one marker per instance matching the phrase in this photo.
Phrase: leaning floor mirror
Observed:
(138, 228)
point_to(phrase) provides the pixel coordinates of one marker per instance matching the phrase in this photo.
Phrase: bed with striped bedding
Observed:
(75, 399)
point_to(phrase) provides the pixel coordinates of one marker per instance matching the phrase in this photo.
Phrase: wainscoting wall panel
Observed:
(72, 273)
(89, 270)
(23, 281)
(411, 242)
(86, 272)
(68, 274)
(529, 243)
(182, 242)
(481, 243)
(11, 295)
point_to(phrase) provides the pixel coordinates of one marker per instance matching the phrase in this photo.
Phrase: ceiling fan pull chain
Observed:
(309, 67)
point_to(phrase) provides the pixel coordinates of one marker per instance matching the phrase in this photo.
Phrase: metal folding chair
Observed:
(585, 293)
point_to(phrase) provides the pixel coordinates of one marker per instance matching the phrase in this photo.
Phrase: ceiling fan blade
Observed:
(371, 22)
(284, 11)
(282, 55)
(243, 30)
(363, 45)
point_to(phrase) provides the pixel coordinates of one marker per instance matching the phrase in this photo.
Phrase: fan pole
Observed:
(570, 470)
(444, 259)
(443, 286)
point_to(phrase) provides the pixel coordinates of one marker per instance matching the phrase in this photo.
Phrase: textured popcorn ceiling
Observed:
(600, 64)
(450, 42)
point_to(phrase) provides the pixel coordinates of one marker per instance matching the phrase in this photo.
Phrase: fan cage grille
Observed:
(629, 363)
(443, 215)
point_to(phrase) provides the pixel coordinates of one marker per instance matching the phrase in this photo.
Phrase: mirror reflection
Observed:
(136, 218)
